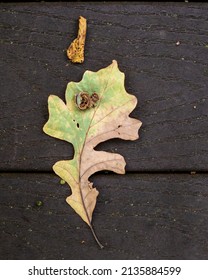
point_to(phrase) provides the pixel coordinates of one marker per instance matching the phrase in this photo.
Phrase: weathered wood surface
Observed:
(170, 81)
(137, 217)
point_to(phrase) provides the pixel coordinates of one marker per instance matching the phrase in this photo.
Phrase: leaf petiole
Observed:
(96, 239)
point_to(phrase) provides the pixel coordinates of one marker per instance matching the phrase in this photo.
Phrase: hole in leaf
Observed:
(78, 125)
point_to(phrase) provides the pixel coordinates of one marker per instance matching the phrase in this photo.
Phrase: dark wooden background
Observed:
(159, 209)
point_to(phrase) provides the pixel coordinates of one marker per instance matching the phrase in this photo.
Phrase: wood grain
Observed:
(170, 81)
(157, 210)
(138, 216)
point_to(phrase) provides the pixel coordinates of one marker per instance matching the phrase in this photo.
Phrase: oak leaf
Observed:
(108, 118)
(75, 51)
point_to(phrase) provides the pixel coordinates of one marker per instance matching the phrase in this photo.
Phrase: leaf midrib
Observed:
(80, 158)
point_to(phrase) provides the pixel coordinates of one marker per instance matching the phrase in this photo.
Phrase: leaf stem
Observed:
(96, 239)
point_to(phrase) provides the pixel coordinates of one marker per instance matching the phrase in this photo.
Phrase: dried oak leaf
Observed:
(75, 51)
(85, 129)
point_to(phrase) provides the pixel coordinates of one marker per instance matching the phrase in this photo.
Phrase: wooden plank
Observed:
(170, 81)
(138, 216)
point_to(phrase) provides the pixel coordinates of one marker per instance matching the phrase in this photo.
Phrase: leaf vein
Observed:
(101, 162)
(115, 109)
